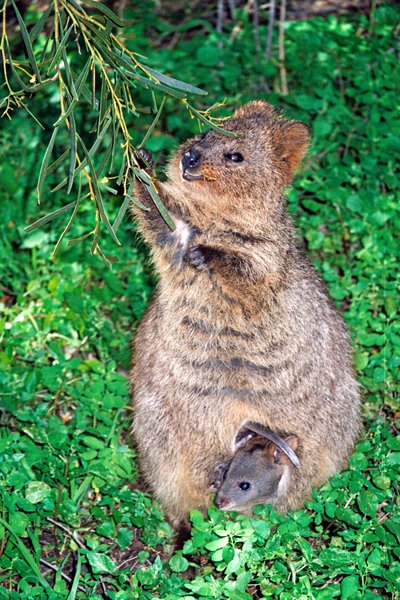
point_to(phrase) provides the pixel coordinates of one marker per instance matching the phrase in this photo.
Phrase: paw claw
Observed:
(196, 258)
(145, 158)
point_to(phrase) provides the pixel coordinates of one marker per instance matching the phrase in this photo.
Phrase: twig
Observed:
(231, 4)
(282, 17)
(220, 15)
(63, 575)
(271, 22)
(70, 533)
(256, 26)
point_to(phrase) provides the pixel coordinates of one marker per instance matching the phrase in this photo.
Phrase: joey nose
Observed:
(221, 502)
(191, 159)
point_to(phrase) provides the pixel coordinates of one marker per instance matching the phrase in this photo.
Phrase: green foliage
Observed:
(69, 489)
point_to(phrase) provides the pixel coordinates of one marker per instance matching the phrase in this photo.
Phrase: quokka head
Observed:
(254, 166)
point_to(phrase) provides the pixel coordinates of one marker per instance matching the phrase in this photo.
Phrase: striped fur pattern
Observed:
(240, 327)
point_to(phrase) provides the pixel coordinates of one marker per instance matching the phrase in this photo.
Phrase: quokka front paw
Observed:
(197, 257)
(145, 159)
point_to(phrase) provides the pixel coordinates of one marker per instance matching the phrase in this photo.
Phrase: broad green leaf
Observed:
(100, 563)
(37, 491)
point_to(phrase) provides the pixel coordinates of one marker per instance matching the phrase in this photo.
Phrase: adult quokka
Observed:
(240, 327)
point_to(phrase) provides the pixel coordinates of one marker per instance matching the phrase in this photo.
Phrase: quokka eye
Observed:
(234, 157)
(244, 485)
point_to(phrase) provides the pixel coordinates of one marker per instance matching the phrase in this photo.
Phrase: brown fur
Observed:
(240, 327)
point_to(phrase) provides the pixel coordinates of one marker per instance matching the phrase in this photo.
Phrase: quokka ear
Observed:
(257, 108)
(293, 143)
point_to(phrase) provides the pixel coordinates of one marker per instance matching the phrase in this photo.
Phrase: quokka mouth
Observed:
(190, 176)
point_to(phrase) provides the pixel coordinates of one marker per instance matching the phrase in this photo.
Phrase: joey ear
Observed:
(241, 438)
(256, 108)
(292, 146)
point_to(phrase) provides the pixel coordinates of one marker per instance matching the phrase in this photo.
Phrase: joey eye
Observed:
(244, 485)
(234, 157)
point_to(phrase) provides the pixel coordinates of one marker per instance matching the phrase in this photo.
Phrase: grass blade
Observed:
(26, 554)
(45, 162)
(75, 583)
(43, 220)
(27, 41)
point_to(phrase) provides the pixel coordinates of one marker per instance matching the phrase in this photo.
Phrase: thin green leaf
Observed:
(92, 152)
(79, 239)
(43, 220)
(108, 13)
(97, 193)
(33, 116)
(27, 41)
(64, 116)
(75, 582)
(71, 219)
(119, 62)
(175, 83)
(20, 82)
(122, 170)
(210, 124)
(48, 41)
(26, 554)
(70, 80)
(104, 160)
(72, 161)
(57, 162)
(111, 190)
(80, 82)
(40, 24)
(60, 49)
(107, 259)
(96, 234)
(121, 213)
(103, 103)
(154, 123)
(45, 162)
(78, 6)
(155, 197)
(124, 206)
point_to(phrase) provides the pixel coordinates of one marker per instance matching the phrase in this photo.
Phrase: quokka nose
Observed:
(191, 159)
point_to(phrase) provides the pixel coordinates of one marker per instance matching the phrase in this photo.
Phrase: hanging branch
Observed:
(84, 57)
